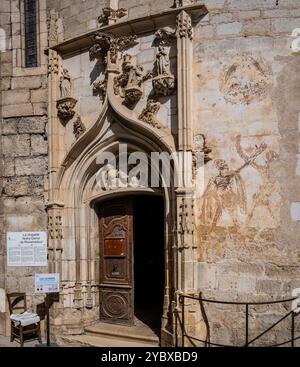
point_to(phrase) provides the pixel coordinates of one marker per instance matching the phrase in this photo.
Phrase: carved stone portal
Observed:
(148, 114)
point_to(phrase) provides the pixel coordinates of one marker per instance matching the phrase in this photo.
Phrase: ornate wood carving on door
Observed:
(116, 265)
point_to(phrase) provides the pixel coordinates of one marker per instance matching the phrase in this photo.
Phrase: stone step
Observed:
(98, 341)
(139, 333)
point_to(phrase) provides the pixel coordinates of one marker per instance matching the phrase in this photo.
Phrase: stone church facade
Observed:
(215, 79)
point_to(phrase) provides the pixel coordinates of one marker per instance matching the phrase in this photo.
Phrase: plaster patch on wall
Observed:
(246, 79)
(295, 211)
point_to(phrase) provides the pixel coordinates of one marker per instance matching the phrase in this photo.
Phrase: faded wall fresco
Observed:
(246, 101)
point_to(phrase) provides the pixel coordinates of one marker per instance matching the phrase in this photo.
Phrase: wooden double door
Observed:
(131, 259)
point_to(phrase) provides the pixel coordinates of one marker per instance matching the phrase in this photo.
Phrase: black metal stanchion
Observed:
(47, 314)
(48, 318)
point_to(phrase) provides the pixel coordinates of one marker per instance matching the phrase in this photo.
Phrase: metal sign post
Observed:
(47, 301)
(49, 284)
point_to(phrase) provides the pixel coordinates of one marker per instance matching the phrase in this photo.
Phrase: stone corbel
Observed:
(65, 108)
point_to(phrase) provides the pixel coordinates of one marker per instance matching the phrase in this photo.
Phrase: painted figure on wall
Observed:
(225, 192)
(262, 198)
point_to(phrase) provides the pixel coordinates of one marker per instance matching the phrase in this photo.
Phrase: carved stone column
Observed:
(186, 244)
(54, 126)
(184, 34)
(55, 233)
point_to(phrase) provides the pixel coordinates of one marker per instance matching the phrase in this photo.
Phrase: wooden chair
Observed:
(17, 302)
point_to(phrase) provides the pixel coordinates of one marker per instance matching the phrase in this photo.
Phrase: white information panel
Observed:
(46, 283)
(26, 248)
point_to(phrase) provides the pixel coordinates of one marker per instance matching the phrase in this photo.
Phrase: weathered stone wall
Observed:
(24, 147)
(80, 16)
(246, 103)
(246, 93)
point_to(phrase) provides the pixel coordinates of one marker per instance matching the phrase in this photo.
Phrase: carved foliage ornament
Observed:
(184, 25)
(148, 114)
(186, 225)
(100, 87)
(109, 14)
(55, 226)
(180, 3)
(53, 63)
(105, 42)
(78, 127)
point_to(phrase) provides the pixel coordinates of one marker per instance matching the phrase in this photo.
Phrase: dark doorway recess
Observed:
(149, 264)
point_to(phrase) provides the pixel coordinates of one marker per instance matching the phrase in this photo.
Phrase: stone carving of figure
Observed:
(65, 84)
(162, 62)
(135, 76)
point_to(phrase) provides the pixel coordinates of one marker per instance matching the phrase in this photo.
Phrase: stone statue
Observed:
(135, 76)
(65, 84)
(129, 84)
(162, 62)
